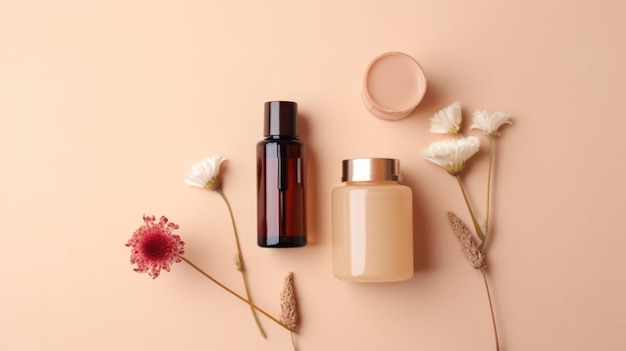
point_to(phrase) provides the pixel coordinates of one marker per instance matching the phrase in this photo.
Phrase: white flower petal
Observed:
(452, 154)
(489, 122)
(447, 120)
(204, 172)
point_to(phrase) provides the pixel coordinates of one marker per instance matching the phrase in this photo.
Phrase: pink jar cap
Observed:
(393, 86)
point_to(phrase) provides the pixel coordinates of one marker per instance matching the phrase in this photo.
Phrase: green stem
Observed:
(236, 295)
(469, 207)
(241, 263)
(493, 318)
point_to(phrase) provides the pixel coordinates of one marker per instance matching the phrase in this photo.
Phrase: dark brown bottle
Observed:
(281, 160)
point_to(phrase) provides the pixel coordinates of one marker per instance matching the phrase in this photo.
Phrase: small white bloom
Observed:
(452, 154)
(447, 120)
(204, 174)
(489, 122)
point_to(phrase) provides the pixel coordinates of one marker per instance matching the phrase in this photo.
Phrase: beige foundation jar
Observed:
(372, 223)
(393, 86)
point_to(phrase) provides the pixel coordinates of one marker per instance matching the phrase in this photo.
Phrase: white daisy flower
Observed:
(451, 154)
(489, 122)
(204, 174)
(447, 120)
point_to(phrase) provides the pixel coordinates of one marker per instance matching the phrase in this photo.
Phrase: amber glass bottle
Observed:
(281, 179)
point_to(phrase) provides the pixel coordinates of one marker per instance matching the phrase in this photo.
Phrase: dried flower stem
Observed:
(293, 341)
(489, 171)
(493, 318)
(475, 257)
(236, 295)
(479, 232)
(240, 264)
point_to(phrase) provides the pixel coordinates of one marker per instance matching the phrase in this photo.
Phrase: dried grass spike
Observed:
(238, 263)
(288, 313)
(468, 245)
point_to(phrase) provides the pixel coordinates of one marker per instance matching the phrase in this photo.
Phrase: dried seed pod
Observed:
(288, 313)
(468, 245)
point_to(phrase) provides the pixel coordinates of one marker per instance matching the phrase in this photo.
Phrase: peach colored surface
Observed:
(105, 104)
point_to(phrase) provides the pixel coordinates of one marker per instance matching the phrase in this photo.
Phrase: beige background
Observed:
(105, 104)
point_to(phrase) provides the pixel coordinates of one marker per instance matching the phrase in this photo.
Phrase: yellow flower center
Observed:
(455, 168)
(212, 184)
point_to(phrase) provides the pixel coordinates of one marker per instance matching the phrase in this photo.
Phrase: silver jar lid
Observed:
(370, 169)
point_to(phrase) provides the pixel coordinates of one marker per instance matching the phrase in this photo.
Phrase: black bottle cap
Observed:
(281, 119)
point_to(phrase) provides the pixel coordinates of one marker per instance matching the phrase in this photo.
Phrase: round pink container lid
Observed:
(393, 86)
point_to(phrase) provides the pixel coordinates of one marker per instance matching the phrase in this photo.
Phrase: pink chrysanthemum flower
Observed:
(155, 247)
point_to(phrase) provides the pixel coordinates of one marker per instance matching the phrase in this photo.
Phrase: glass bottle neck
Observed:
(372, 182)
(277, 137)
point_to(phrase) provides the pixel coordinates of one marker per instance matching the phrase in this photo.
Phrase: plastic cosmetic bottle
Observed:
(372, 223)
(281, 179)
